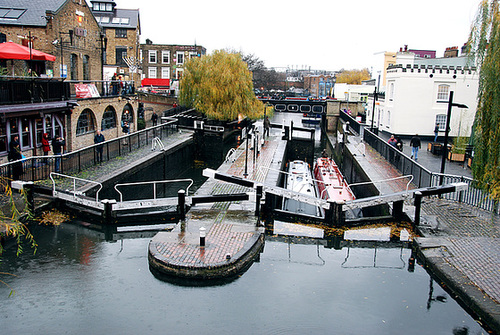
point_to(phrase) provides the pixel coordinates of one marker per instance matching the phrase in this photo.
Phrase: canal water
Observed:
(78, 282)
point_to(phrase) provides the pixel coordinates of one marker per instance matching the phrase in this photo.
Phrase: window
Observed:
(151, 72)
(108, 119)
(102, 7)
(3, 139)
(165, 73)
(179, 73)
(180, 57)
(388, 119)
(121, 52)
(14, 129)
(96, 6)
(86, 67)
(116, 20)
(85, 123)
(152, 56)
(120, 33)
(3, 38)
(165, 57)
(391, 91)
(104, 19)
(109, 7)
(26, 133)
(443, 91)
(48, 125)
(73, 67)
(39, 131)
(441, 121)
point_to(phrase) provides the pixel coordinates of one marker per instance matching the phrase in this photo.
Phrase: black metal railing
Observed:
(39, 167)
(82, 89)
(424, 178)
(353, 124)
(20, 90)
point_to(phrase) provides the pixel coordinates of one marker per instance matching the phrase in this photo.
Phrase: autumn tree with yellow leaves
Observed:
(220, 86)
(353, 77)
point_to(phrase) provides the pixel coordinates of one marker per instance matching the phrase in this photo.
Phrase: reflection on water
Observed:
(78, 283)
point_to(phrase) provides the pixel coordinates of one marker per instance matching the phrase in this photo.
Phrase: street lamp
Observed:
(373, 110)
(446, 131)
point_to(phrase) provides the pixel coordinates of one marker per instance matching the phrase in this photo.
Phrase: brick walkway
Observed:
(231, 226)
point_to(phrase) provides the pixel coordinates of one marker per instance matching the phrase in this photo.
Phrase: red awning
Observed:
(155, 82)
(11, 50)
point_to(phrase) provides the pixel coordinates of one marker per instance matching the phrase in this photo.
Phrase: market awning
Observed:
(11, 50)
(155, 82)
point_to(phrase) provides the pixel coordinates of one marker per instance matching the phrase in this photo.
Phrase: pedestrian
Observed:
(15, 156)
(324, 154)
(154, 118)
(45, 146)
(415, 145)
(125, 130)
(436, 132)
(392, 141)
(121, 87)
(114, 84)
(267, 125)
(399, 143)
(58, 144)
(99, 138)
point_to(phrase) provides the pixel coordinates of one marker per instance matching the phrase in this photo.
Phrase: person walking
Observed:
(154, 118)
(99, 138)
(392, 141)
(415, 145)
(267, 125)
(436, 132)
(58, 144)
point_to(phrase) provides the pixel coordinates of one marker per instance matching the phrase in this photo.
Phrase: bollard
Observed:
(418, 205)
(202, 236)
(181, 204)
(107, 215)
(257, 201)
(397, 209)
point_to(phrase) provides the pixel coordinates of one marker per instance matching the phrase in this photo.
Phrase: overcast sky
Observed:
(316, 34)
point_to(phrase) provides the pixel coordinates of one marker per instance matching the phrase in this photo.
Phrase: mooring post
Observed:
(202, 236)
(418, 205)
(334, 216)
(30, 196)
(107, 215)
(397, 209)
(258, 197)
(181, 204)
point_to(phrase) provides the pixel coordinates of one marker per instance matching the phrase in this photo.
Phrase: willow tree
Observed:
(220, 86)
(484, 49)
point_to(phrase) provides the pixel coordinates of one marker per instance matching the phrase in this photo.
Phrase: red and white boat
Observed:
(330, 181)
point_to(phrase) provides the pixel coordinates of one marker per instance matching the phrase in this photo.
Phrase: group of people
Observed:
(415, 144)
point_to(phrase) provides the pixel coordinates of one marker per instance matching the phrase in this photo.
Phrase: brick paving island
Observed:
(234, 237)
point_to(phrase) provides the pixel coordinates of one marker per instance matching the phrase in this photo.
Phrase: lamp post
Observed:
(245, 174)
(373, 109)
(446, 132)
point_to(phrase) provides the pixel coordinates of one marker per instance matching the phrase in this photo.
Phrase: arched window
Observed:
(127, 114)
(86, 67)
(73, 66)
(108, 118)
(85, 123)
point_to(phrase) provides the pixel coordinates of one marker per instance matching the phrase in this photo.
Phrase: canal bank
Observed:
(459, 243)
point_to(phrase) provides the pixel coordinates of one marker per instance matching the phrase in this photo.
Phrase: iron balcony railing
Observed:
(22, 90)
(39, 167)
(425, 178)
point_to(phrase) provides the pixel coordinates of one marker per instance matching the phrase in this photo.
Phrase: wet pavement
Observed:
(460, 243)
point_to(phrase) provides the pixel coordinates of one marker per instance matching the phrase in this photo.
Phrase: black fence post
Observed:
(259, 192)
(397, 209)
(107, 214)
(181, 204)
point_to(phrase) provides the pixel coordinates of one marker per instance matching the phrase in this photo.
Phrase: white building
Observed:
(417, 95)
(352, 93)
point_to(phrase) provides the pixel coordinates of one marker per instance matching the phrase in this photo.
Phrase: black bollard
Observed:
(257, 200)
(107, 214)
(202, 236)
(181, 204)
(418, 205)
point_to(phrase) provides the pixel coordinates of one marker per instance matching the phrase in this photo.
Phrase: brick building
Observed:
(122, 30)
(319, 85)
(68, 30)
(165, 61)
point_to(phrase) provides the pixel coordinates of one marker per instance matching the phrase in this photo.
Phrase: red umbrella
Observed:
(11, 50)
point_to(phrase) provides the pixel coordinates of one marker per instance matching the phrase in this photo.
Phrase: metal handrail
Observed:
(74, 183)
(157, 142)
(389, 179)
(154, 182)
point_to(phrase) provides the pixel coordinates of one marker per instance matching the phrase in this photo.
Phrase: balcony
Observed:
(23, 90)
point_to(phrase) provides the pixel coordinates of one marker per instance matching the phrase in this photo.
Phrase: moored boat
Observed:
(299, 179)
(330, 181)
